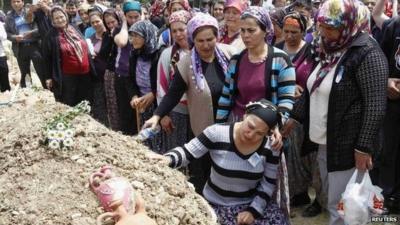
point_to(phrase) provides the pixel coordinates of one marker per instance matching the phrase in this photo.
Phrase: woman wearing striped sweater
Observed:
(259, 71)
(244, 168)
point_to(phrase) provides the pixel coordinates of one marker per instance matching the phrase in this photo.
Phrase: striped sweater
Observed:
(235, 178)
(280, 82)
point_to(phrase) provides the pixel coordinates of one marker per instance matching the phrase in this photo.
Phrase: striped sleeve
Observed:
(225, 102)
(286, 83)
(196, 148)
(267, 184)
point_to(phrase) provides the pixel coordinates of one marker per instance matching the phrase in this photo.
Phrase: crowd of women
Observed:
(261, 101)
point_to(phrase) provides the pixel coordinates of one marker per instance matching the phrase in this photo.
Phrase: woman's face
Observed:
(132, 17)
(145, 13)
(137, 40)
(59, 19)
(293, 35)
(232, 17)
(204, 42)
(84, 16)
(251, 33)
(329, 33)
(97, 23)
(218, 11)
(253, 129)
(176, 7)
(111, 22)
(179, 34)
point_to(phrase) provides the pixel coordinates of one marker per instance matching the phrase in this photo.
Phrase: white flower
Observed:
(60, 135)
(60, 126)
(68, 142)
(54, 144)
(69, 133)
(51, 134)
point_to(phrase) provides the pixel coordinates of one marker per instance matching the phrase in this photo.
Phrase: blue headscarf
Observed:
(132, 6)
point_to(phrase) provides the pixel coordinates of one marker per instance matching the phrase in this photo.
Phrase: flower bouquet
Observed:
(59, 132)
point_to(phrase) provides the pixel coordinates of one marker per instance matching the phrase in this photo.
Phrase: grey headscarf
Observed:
(148, 31)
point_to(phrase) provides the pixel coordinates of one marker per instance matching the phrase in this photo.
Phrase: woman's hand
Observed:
(276, 139)
(152, 122)
(363, 161)
(167, 125)
(393, 90)
(160, 159)
(49, 84)
(299, 91)
(142, 103)
(245, 218)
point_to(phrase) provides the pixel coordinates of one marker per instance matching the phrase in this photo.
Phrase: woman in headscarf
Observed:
(199, 74)
(112, 22)
(176, 125)
(69, 69)
(277, 17)
(230, 32)
(244, 177)
(165, 40)
(343, 106)
(142, 86)
(127, 118)
(259, 71)
(83, 12)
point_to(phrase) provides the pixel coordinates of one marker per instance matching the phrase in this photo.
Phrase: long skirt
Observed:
(111, 100)
(273, 215)
(181, 134)
(153, 143)
(99, 106)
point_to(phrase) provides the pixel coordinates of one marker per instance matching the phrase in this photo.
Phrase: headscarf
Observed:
(300, 19)
(364, 17)
(341, 14)
(240, 5)
(266, 111)
(70, 34)
(184, 3)
(132, 6)
(148, 31)
(198, 21)
(114, 13)
(261, 15)
(277, 17)
(182, 16)
(157, 8)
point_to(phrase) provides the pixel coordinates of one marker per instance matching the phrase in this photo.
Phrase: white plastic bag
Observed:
(360, 200)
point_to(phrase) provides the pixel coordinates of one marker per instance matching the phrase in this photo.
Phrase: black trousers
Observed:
(127, 115)
(28, 52)
(76, 88)
(390, 158)
(4, 81)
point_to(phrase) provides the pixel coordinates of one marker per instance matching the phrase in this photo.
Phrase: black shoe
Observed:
(313, 210)
(300, 200)
(392, 205)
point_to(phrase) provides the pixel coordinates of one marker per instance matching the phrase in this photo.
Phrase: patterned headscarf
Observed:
(364, 17)
(182, 16)
(261, 15)
(343, 15)
(198, 21)
(240, 5)
(71, 35)
(301, 20)
(184, 3)
(157, 8)
(148, 31)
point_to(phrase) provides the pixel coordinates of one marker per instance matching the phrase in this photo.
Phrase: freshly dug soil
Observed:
(43, 186)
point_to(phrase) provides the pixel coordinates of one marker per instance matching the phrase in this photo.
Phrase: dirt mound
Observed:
(42, 186)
